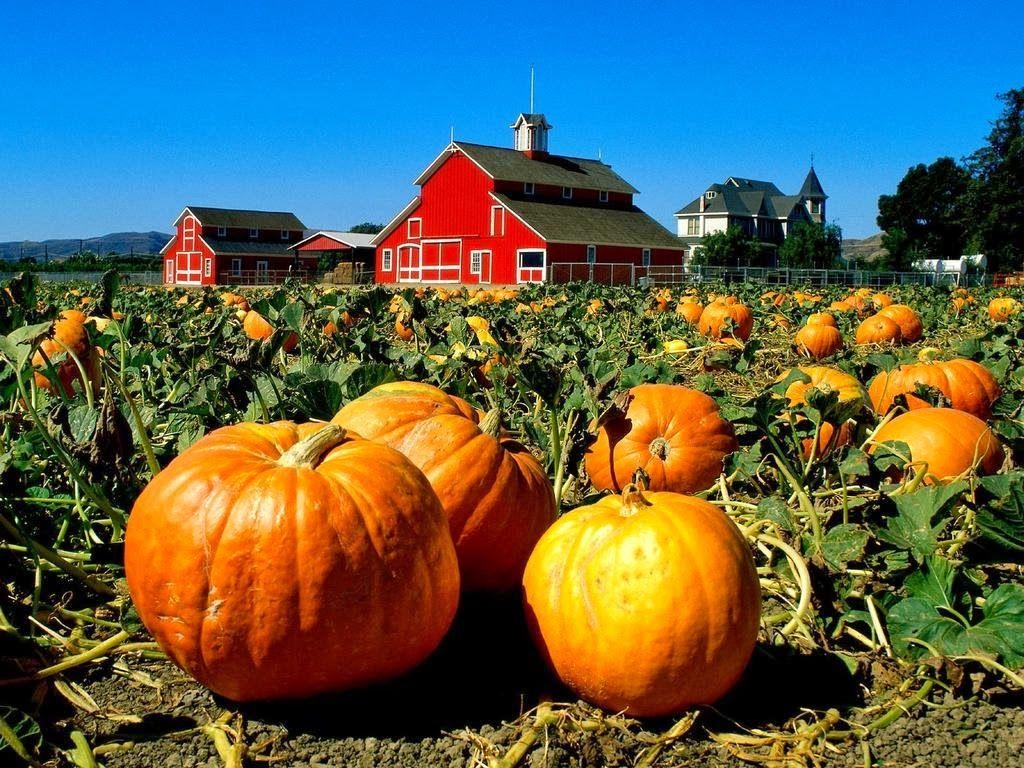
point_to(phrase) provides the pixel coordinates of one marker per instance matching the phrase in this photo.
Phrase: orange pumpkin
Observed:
(969, 386)
(716, 317)
(256, 326)
(821, 318)
(690, 311)
(907, 319)
(944, 443)
(496, 495)
(68, 340)
(1002, 308)
(824, 378)
(283, 560)
(878, 329)
(388, 411)
(818, 341)
(675, 434)
(647, 603)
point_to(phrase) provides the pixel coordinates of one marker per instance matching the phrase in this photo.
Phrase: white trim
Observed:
(262, 266)
(452, 272)
(207, 266)
(254, 232)
(645, 257)
(497, 222)
(591, 254)
(602, 195)
(236, 267)
(286, 234)
(415, 262)
(529, 188)
(485, 265)
(520, 269)
(419, 228)
(386, 260)
(567, 193)
(184, 272)
(222, 231)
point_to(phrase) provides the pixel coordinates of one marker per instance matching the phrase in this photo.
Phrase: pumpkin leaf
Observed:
(1001, 519)
(913, 528)
(855, 462)
(292, 315)
(775, 509)
(844, 544)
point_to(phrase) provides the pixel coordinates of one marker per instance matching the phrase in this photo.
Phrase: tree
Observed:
(930, 208)
(901, 252)
(811, 246)
(732, 248)
(996, 196)
(367, 228)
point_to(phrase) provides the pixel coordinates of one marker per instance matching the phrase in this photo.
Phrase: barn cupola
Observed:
(530, 133)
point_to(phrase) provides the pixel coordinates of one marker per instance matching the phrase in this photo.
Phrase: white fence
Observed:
(138, 278)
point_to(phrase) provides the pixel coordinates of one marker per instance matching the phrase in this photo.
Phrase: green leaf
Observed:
(844, 544)
(292, 316)
(934, 582)
(1001, 518)
(913, 528)
(855, 462)
(82, 421)
(775, 509)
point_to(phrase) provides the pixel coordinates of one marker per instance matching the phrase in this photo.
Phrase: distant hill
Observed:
(139, 243)
(864, 249)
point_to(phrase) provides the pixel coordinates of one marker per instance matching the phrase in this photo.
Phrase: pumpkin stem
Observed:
(310, 451)
(633, 500)
(490, 424)
(659, 448)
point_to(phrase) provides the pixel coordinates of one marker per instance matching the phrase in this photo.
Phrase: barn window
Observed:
(603, 195)
(385, 260)
(567, 193)
(236, 267)
(645, 257)
(207, 266)
(528, 188)
(254, 231)
(475, 262)
(415, 228)
(285, 234)
(222, 231)
(262, 269)
(169, 271)
(591, 254)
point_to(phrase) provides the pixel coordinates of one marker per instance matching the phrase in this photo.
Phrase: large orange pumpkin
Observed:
(716, 317)
(496, 495)
(674, 433)
(1002, 308)
(911, 327)
(388, 411)
(826, 379)
(944, 443)
(282, 560)
(256, 326)
(969, 386)
(647, 603)
(690, 311)
(879, 329)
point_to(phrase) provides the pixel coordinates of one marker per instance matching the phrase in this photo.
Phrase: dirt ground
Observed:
(472, 704)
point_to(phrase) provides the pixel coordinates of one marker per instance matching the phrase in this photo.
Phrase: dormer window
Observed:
(567, 193)
(222, 231)
(528, 188)
(285, 234)
(254, 231)
(591, 254)
(602, 196)
(710, 194)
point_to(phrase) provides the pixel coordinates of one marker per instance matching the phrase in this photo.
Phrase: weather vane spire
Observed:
(531, 89)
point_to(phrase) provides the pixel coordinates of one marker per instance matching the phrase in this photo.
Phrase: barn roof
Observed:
(350, 239)
(567, 223)
(504, 164)
(248, 247)
(237, 218)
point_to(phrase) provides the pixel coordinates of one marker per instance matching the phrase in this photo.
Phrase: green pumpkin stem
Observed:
(309, 452)
(633, 500)
(490, 424)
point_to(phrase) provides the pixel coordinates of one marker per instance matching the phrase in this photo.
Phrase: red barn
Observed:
(217, 246)
(496, 215)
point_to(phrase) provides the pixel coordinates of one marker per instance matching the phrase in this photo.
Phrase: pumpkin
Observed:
(674, 433)
(824, 378)
(282, 560)
(496, 495)
(69, 339)
(907, 319)
(821, 318)
(256, 326)
(715, 319)
(388, 411)
(878, 329)
(690, 311)
(969, 386)
(881, 300)
(818, 340)
(1002, 308)
(944, 443)
(646, 603)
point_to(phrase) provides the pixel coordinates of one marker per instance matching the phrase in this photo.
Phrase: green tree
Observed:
(811, 246)
(996, 196)
(367, 228)
(930, 208)
(901, 252)
(731, 248)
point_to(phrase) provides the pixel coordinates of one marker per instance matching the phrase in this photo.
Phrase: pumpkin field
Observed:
(551, 525)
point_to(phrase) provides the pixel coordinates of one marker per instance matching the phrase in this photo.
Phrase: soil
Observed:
(474, 699)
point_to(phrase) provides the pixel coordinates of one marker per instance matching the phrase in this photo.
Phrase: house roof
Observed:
(559, 222)
(237, 218)
(504, 164)
(248, 247)
(747, 197)
(812, 187)
(349, 239)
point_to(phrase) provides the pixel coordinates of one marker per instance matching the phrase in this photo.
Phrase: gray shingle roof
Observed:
(812, 187)
(243, 247)
(556, 170)
(231, 217)
(572, 223)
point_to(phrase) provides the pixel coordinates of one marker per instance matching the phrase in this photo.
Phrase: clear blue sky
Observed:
(117, 115)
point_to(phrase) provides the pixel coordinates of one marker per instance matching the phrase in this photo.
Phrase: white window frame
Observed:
(528, 188)
(497, 221)
(236, 267)
(710, 194)
(285, 234)
(262, 268)
(414, 228)
(222, 231)
(645, 257)
(169, 271)
(207, 266)
(567, 193)
(591, 254)
(386, 260)
(476, 261)
(602, 196)
(254, 232)
(692, 226)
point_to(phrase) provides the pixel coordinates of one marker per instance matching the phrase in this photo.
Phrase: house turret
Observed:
(530, 134)
(813, 197)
